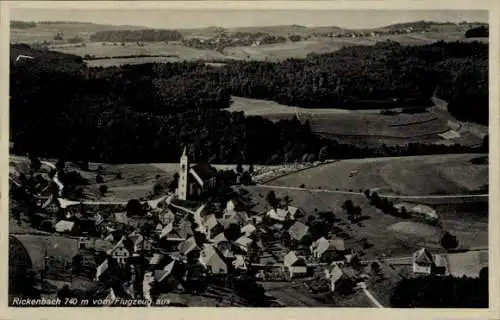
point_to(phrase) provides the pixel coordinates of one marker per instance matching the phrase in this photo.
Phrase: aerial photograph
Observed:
(248, 158)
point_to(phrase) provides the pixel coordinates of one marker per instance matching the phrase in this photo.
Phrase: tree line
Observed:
(136, 35)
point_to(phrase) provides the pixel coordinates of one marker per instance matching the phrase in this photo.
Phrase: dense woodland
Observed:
(442, 292)
(146, 113)
(136, 35)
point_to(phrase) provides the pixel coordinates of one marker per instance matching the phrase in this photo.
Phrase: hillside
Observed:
(413, 176)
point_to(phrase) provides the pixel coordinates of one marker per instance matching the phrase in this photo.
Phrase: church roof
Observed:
(204, 171)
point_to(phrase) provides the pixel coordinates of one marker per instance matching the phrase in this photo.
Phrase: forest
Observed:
(146, 113)
(442, 292)
(136, 35)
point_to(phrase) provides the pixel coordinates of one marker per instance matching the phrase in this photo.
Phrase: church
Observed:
(195, 181)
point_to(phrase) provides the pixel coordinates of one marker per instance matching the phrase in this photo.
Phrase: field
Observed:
(110, 50)
(47, 32)
(369, 127)
(411, 176)
(469, 224)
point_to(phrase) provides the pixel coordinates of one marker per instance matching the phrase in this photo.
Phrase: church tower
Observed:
(183, 177)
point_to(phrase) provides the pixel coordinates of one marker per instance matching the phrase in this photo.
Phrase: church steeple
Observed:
(183, 176)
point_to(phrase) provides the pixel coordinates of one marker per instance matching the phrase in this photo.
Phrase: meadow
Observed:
(411, 176)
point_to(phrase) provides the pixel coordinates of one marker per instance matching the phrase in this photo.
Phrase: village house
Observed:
(119, 252)
(297, 231)
(323, 245)
(210, 226)
(194, 181)
(239, 262)
(425, 263)
(65, 226)
(294, 265)
(187, 246)
(248, 229)
(339, 278)
(212, 260)
(281, 214)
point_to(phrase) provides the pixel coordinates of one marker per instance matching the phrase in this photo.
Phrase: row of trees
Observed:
(136, 35)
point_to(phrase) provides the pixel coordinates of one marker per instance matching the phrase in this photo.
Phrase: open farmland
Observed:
(46, 32)
(110, 50)
(301, 49)
(368, 127)
(419, 175)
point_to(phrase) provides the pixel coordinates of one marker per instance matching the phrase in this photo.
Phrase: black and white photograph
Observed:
(248, 158)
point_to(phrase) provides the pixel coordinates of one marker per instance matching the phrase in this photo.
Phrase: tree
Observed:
(35, 164)
(239, 168)
(348, 206)
(448, 241)
(233, 232)
(324, 153)
(99, 178)
(103, 189)
(251, 169)
(76, 263)
(134, 208)
(375, 267)
(61, 165)
(246, 179)
(271, 199)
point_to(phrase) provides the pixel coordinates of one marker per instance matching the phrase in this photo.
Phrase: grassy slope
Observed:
(422, 175)
(47, 32)
(470, 226)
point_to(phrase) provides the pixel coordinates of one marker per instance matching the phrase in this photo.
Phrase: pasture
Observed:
(381, 230)
(411, 176)
(363, 127)
(47, 32)
(118, 50)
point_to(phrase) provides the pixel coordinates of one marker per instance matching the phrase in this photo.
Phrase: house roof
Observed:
(204, 171)
(184, 229)
(160, 275)
(292, 211)
(117, 245)
(166, 216)
(423, 256)
(219, 238)
(101, 269)
(290, 259)
(248, 229)
(338, 244)
(210, 222)
(166, 230)
(243, 242)
(239, 262)
(335, 273)
(187, 246)
(298, 230)
(155, 259)
(64, 225)
(209, 257)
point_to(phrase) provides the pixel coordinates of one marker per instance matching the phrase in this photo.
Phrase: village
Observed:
(204, 241)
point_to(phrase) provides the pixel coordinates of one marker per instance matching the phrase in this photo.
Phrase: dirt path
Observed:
(450, 196)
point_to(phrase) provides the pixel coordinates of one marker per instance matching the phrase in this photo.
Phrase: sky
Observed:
(196, 18)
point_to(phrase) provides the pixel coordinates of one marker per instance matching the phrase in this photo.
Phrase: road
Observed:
(388, 196)
(370, 296)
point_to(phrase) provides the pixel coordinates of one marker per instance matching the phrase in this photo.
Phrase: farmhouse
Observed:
(323, 245)
(426, 263)
(195, 181)
(119, 252)
(296, 266)
(212, 260)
